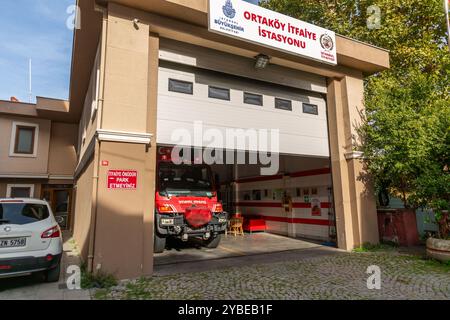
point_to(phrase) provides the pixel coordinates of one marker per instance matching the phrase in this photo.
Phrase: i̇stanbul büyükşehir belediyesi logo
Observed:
(228, 10)
(326, 42)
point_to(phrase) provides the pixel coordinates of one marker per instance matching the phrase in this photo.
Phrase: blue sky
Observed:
(35, 29)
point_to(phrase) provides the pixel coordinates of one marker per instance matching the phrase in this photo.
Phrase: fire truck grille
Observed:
(198, 217)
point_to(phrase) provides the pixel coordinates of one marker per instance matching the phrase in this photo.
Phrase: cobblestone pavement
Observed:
(340, 276)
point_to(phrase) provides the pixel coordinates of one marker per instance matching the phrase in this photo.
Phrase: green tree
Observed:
(405, 135)
(413, 30)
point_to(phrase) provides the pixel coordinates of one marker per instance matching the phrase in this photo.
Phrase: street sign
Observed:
(249, 22)
(122, 179)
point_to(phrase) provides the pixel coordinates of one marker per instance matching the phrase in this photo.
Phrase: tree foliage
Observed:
(413, 30)
(405, 133)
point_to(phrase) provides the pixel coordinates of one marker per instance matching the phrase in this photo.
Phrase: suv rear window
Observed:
(22, 213)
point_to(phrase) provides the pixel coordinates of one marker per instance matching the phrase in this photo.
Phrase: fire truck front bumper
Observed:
(176, 225)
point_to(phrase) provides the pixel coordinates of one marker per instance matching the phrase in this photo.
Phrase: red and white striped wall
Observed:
(309, 193)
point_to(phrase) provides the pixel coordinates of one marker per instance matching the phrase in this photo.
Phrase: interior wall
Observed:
(265, 199)
(287, 164)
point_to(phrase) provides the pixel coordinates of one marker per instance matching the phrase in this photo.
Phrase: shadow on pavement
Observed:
(21, 282)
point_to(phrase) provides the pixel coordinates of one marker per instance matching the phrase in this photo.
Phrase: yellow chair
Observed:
(236, 226)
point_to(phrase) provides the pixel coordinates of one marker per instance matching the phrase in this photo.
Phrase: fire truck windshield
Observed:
(185, 180)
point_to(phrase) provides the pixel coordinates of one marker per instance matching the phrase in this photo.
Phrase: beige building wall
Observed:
(55, 159)
(355, 206)
(83, 209)
(17, 109)
(130, 88)
(126, 73)
(130, 66)
(89, 122)
(36, 183)
(119, 241)
(62, 156)
(16, 164)
(363, 193)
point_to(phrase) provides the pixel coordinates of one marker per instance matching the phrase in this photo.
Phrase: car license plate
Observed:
(166, 222)
(13, 243)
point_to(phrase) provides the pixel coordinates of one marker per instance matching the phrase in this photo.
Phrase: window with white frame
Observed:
(24, 139)
(20, 191)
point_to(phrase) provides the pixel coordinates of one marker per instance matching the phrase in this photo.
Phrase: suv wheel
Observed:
(52, 275)
(159, 243)
(213, 242)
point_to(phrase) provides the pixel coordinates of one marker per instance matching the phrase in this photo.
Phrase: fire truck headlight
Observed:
(218, 208)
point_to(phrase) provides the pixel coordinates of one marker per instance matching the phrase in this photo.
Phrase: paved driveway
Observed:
(242, 250)
(33, 288)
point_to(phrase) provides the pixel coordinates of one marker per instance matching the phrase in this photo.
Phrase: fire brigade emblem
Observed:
(326, 42)
(228, 10)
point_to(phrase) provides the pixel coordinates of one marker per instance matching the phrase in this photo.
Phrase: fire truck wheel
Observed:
(213, 242)
(159, 244)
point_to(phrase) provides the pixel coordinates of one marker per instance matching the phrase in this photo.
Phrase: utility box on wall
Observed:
(398, 226)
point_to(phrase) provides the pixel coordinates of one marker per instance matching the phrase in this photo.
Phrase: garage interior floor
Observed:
(249, 249)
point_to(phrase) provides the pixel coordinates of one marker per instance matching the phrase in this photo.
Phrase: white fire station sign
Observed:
(249, 22)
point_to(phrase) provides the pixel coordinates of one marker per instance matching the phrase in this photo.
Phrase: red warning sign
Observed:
(122, 179)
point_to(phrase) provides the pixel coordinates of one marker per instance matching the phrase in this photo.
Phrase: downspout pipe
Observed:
(100, 99)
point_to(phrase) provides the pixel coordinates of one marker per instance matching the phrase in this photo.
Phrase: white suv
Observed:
(30, 239)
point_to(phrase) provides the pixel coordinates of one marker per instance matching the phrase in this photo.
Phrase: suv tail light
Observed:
(218, 208)
(51, 233)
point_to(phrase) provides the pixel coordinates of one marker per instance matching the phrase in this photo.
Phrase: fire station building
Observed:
(143, 69)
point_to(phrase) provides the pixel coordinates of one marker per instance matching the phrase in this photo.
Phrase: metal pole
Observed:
(29, 82)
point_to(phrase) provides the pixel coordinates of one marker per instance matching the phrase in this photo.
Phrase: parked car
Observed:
(30, 239)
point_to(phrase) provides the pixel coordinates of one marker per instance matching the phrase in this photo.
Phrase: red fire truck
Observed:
(186, 204)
